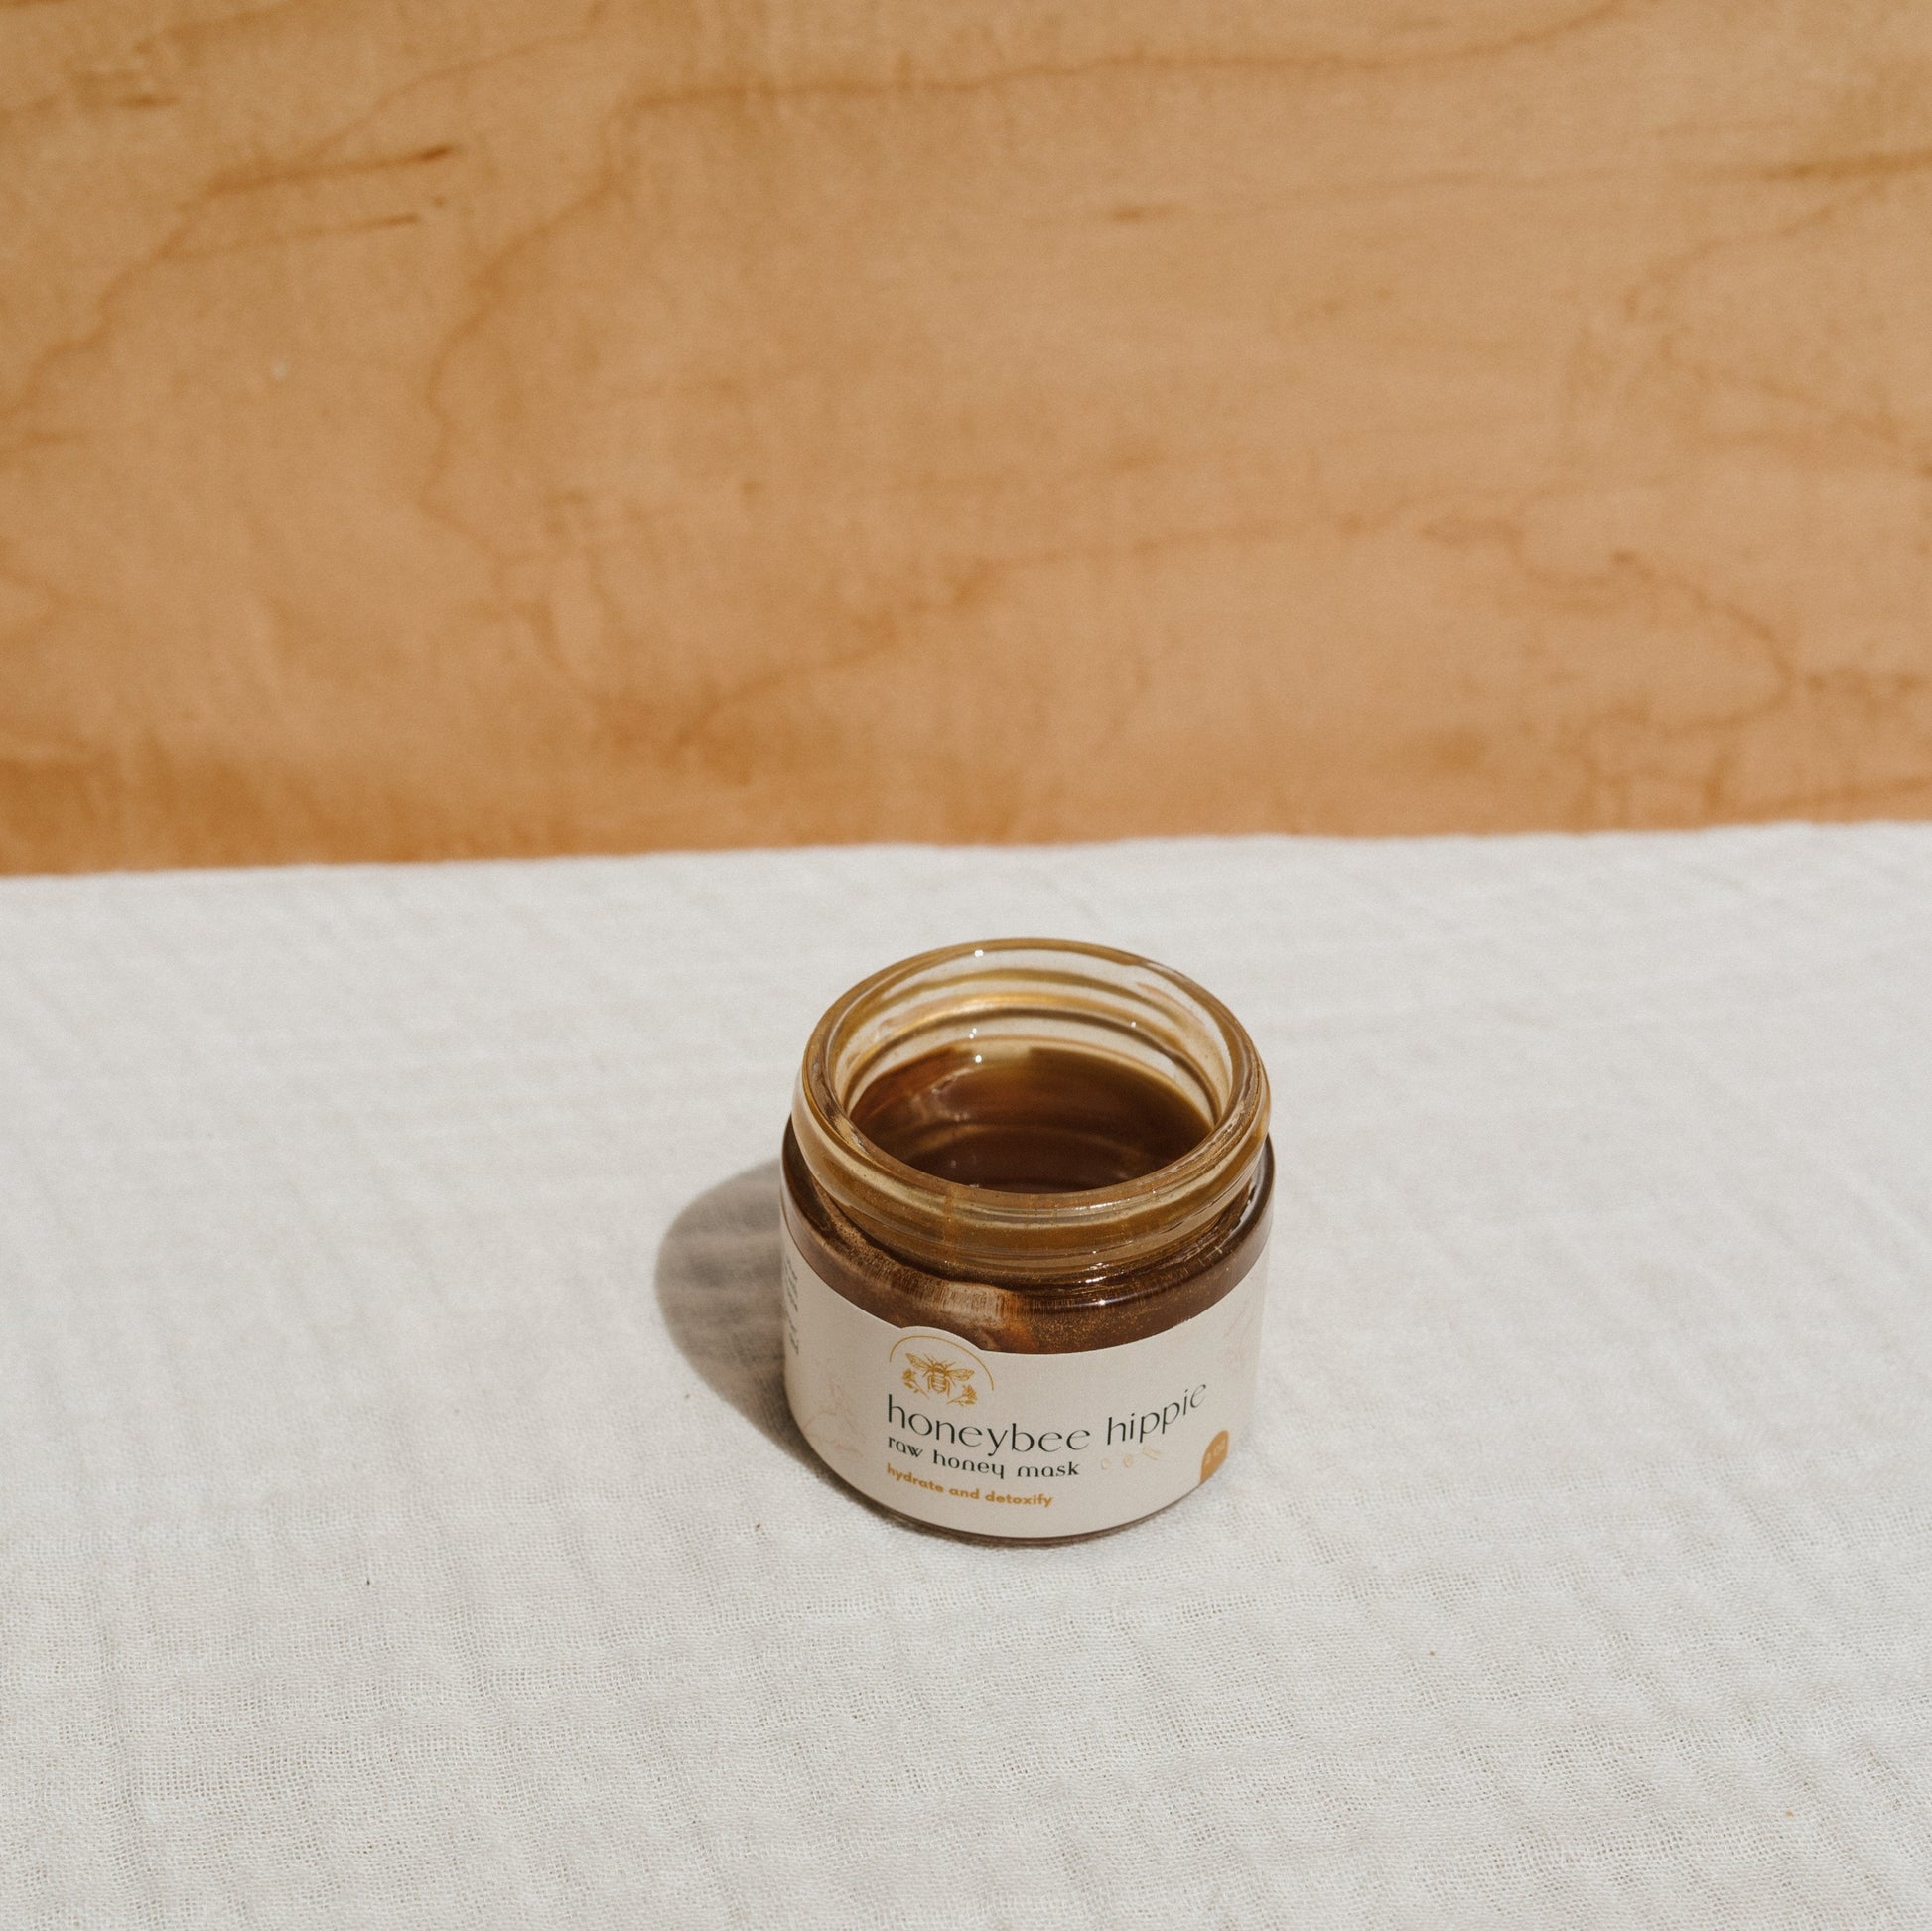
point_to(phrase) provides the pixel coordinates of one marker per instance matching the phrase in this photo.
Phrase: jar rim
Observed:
(1119, 1001)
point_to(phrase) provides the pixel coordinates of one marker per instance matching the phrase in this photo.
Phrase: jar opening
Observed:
(1023, 1117)
(1031, 1111)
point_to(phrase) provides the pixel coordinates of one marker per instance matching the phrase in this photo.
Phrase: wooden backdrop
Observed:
(460, 426)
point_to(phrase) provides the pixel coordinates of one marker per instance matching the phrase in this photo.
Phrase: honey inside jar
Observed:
(1025, 1118)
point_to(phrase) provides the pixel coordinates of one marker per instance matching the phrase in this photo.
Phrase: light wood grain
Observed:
(442, 428)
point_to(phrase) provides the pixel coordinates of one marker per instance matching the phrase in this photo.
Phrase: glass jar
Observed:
(1025, 1207)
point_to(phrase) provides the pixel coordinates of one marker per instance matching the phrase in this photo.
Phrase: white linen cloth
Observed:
(401, 1525)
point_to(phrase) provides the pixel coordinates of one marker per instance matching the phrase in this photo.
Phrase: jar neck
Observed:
(1015, 996)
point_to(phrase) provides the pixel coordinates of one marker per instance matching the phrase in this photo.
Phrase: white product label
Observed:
(1017, 1445)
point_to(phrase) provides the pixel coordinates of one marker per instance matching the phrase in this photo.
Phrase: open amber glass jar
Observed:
(1027, 1189)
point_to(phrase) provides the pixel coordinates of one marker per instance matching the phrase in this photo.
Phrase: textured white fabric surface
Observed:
(399, 1523)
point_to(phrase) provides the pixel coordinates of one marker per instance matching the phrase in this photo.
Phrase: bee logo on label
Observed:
(937, 1366)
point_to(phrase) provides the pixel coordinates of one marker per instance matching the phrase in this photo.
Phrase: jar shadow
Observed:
(718, 1289)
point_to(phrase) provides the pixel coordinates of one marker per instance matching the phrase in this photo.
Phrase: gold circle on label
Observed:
(1216, 1454)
